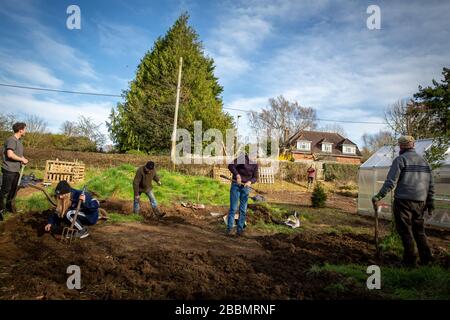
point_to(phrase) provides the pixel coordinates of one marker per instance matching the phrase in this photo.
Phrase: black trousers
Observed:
(410, 226)
(8, 190)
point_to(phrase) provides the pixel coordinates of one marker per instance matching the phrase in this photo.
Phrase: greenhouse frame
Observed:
(372, 175)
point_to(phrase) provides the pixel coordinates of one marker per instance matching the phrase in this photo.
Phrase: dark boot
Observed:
(158, 213)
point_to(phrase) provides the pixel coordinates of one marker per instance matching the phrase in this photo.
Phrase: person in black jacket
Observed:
(245, 173)
(66, 208)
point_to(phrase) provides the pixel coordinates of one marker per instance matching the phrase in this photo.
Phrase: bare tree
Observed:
(87, 128)
(281, 116)
(7, 121)
(69, 128)
(36, 129)
(403, 119)
(334, 128)
(372, 142)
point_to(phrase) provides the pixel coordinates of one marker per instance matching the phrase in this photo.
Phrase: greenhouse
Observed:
(372, 175)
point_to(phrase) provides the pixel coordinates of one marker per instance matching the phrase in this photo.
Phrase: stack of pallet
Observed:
(55, 171)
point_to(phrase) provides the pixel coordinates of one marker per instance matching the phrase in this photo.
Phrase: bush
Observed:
(319, 196)
(293, 171)
(340, 172)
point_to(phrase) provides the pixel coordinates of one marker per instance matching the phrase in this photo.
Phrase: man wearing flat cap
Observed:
(413, 196)
(142, 183)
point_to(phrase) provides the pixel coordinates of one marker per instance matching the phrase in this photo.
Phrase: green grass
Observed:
(34, 202)
(431, 282)
(114, 217)
(392, 244)
(176, 187)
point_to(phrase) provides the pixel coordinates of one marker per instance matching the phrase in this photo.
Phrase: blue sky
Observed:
(319, 53)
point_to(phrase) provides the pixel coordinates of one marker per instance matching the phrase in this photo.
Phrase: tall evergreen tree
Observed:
(144, 121)
(432, 103)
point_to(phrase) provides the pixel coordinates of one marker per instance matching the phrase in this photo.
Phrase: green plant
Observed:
(319, 196)
(340, 172)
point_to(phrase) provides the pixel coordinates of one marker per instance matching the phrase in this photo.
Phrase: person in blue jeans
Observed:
(142, 183)
(245, 173)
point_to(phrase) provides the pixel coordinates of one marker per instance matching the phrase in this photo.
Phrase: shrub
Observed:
(341, 172)
(319, 196)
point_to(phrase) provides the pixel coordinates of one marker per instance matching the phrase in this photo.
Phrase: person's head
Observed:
(19, 128)
(149, 166)
(406, 142)
(63, 197)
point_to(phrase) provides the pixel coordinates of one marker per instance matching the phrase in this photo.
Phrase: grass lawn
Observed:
(396, 283)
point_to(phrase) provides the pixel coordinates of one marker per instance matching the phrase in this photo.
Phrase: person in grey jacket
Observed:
(413, 196)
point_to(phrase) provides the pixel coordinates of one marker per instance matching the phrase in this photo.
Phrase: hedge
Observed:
(340, 172)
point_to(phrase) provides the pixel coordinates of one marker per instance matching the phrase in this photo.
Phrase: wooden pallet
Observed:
(55, 171)
(266, 175)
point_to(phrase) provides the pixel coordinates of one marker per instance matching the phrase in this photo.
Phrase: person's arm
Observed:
(10, 147)
(136, 182)
(430, 196)
(89, 203)
(392, 178)
(254, 178)
(233, 169)
(51, 221)
(156, 178)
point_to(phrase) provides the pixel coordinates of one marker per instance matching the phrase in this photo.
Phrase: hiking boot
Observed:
(240, 233)
(158, 213)
(426, 262)
(228, 233)
(83, 233)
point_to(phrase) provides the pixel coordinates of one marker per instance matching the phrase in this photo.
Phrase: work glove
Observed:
(375, 201)
(159, 183)
(247, 184)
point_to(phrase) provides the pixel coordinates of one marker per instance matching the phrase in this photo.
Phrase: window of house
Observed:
(304, 145)
(326, 147)
(349, 149)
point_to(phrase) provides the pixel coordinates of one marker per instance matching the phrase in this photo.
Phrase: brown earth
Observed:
(185, 256)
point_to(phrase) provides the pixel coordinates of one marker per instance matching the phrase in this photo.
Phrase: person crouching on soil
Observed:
(142, 183)
(245, 173)
(67, 202)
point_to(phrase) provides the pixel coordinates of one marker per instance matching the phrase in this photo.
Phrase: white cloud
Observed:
(30, 72)
(346, 72)
(55, 111)
(233, 43)
(63, 56)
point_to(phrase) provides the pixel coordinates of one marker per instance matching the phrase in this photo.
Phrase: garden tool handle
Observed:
(225, 177)
(83, 192)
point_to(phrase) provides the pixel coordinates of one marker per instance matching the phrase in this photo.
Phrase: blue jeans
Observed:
(238, 193)
(151, 196)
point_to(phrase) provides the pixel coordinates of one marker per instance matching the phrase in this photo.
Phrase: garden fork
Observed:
(69, 232)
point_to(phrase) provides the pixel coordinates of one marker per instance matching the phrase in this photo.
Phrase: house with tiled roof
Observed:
(323, 146)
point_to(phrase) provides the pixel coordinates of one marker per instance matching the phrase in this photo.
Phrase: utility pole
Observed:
(175, 118)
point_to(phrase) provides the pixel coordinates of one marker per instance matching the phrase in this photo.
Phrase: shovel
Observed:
(257, 198)
(69, 232)
(377, 210)
(13, 200)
